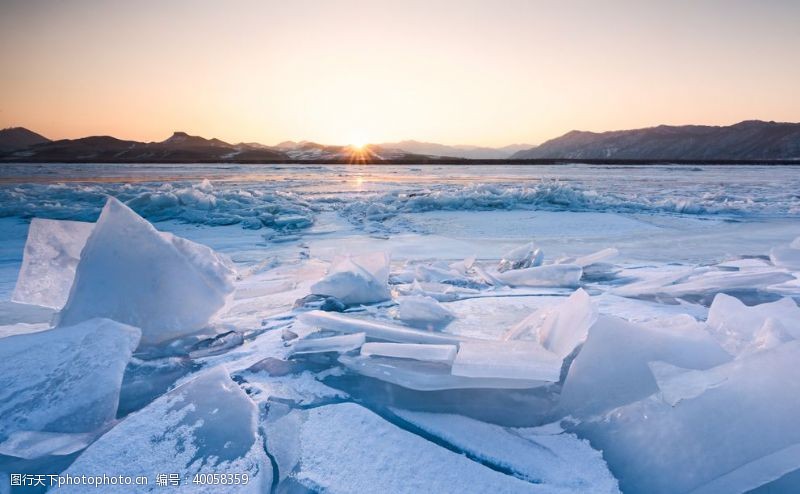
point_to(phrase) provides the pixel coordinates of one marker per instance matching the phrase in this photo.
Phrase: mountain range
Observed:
(748, 140)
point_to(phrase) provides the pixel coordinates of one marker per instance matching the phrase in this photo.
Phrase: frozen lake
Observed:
(560, 329)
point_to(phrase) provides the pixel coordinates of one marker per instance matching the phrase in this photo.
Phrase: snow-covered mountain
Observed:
(458, 151)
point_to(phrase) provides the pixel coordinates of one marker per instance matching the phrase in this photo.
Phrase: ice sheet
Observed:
(374, 329)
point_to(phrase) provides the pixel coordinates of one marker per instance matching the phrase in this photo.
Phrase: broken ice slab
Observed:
(423, 312)
(356, 279)
(441, 292)
(787, 257)
(52, 252)
(342, 343)
(738, 433)
(129, 272)
(735, 325)
(507, 360)
(552, 275)
(559, 329)
(595, 257)
(428, 376)
(611, 368)
(30, 445)
(436, 274)
(705, 281)
(557, 462)
(64, 380)
(346, 448)
(374, 329)
(414, 351)
(524, 256)
(205, 425)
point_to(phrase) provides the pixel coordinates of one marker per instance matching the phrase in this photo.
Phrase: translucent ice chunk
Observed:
(735, 325)
(415, 351)
(205, 425)
(524, 256)
(423, 313)
(611, 368)
(737, 433)
(64, 380)
(30, 445)
(342, 343)
(51, 254)
(357, 280)
(507, 359)
(427, 376)
(163, 284)
(374, 329)
(557, 275)
(786, 257)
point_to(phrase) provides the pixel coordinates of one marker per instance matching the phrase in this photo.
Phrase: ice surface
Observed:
(507, 359)
(552, 275)
(524, 256)
(558, 462)
(414, 351)
(346, 448)
(786, 257)
(342, 343)
(356, 279)
(611, 368)
(374, 329)
(561, 328)
(423, 312)
(163, 284)
(32, 444)
(734, 430)
(65, 379)
(736, 325)
(52, 252)
(428, 376)
(207, 425)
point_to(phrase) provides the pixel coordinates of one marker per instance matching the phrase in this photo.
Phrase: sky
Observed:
(451, 71)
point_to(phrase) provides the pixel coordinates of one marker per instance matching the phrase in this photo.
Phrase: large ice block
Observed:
(524, 256)
(552, 275)
(346, 448)
(515, 359)
(423, 313)
(734, 429)
(735, 324)
(51, 254)
(64, 380)
(611, 368)
(207, 425)
(342, 343)
(374, 329)
(163, 284)
(414, 351)
(357, 279)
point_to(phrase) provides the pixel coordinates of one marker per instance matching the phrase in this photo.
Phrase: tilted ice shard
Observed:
(556, 462)
(341, 343)
(611, 368)
(30, 445)
(130, 272)
(52, 252)
(524, 256)
(346, 448)
(562, 328)
(64, 380)
(357, 279)
(595, 257)
(428, 376)
(737, 434)
(374, 329)
(786, 257)
(414, 351)
(514, 359)
(735, 325)
(207, 425)
(423, 312)
(555, 275)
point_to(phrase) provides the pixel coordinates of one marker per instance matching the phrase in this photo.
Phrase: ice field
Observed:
(352, 329)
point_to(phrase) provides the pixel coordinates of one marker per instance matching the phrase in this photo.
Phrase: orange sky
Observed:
(478, 72)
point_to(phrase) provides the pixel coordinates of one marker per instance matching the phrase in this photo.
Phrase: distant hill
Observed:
(15, 138)
(748, 140)
(463, 151)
